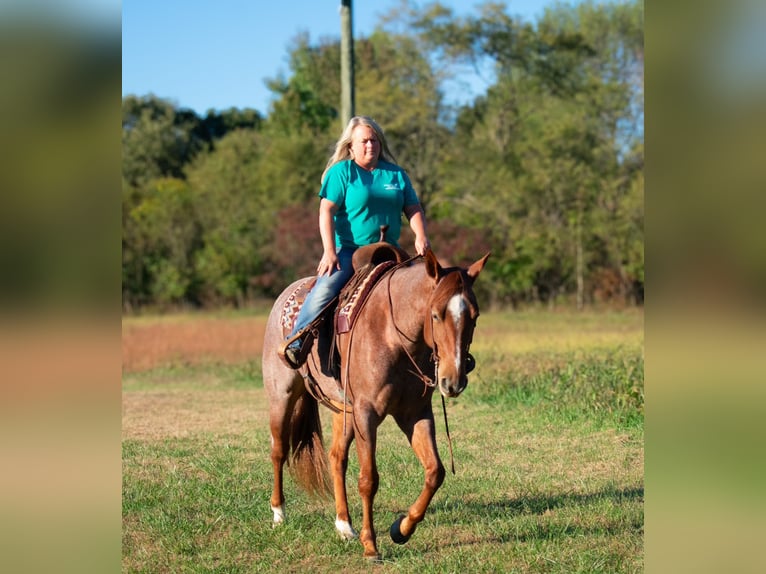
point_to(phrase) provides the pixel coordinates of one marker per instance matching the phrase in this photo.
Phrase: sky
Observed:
(218, 54)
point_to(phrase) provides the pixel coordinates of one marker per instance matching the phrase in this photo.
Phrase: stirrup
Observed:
(306, 338)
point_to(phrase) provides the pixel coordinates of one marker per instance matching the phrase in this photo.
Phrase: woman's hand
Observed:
(422, 244)
(328, 264)
(418, 225)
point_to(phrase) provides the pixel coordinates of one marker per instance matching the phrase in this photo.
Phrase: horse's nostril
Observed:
(446, 386)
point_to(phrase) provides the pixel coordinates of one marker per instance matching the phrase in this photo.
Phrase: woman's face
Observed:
(365, 147)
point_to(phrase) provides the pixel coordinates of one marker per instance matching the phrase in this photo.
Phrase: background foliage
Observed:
(545, 169)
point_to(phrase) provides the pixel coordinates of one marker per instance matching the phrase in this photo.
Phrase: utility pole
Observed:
(346, 62)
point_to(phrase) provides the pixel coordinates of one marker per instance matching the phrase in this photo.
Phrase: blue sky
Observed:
(217, 54)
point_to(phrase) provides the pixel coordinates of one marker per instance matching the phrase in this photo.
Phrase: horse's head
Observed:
(451, 319)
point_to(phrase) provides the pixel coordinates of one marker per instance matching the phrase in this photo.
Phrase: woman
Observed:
(362, 189)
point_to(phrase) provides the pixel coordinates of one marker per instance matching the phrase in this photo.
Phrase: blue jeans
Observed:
(324, 290)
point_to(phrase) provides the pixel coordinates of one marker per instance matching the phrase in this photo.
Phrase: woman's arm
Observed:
(329, 261)
(417, 221)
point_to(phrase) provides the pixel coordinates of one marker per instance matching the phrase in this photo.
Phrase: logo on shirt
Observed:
(391, 186)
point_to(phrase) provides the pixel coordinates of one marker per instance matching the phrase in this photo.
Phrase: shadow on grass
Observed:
(458, 512)
(536, 504)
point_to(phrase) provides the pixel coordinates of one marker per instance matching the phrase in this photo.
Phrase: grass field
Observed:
(548, 441)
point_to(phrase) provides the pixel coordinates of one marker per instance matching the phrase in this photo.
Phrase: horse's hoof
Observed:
(396, 533)
(279, 515)
(345, 530)
(374, 558)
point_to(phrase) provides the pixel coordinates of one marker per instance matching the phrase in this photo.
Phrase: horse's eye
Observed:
(434, 315)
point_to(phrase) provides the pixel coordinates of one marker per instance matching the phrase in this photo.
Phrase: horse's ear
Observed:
(433, 268)
(475, 268)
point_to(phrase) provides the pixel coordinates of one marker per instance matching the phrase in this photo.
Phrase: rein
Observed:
(345, 379)
(427, 381)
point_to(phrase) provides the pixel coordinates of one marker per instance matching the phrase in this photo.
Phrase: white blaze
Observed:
(456, 308)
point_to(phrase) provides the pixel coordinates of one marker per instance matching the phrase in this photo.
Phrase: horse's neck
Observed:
(405, 298)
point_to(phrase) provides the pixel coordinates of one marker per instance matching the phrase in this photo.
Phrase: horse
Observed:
(419, 317)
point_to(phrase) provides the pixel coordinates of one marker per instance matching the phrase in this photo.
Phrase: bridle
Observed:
(429, 323)
(428, 382)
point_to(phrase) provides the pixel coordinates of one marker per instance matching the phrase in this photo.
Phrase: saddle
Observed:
(370, 264)
(377, 253)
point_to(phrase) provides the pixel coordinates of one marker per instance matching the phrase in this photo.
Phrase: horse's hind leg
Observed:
(280, 412)
(342, 435)
(280, 444)
(422, 437)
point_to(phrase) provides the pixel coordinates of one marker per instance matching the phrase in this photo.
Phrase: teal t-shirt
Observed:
(366, 200)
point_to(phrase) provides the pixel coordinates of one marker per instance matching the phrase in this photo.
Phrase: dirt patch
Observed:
(194, 341)
(159, 415)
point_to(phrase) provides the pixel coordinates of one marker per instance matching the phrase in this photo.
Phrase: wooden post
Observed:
(346, 62)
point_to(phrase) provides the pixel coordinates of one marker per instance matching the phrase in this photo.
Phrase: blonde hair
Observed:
(343, 145)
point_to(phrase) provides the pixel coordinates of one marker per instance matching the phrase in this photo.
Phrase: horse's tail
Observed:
(308, 459)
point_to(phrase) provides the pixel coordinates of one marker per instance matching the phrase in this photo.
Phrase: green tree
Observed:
(240, 188)
(309, 100)
(225, 187)
(160, 140)
(160, 236)
(539, 157)
(156, 140)
(215, 125)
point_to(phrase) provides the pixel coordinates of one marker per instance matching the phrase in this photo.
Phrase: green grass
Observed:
(548, 441)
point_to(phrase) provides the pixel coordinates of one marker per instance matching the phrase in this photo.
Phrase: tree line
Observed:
(545, 168)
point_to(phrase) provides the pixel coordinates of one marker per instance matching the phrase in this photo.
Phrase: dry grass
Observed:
(189, 340)
(531, 332)
(179, 414)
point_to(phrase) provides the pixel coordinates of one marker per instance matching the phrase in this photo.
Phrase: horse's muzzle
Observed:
(450, 387)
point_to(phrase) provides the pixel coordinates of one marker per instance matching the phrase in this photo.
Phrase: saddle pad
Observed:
(293, 305)
(347, 313)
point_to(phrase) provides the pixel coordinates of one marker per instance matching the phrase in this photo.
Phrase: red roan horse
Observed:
(418, 319)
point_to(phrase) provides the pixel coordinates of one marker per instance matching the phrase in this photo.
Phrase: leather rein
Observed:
(427, 381)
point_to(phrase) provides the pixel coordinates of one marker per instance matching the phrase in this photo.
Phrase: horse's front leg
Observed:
(422, 437)
(341, 442)
(366, 439)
